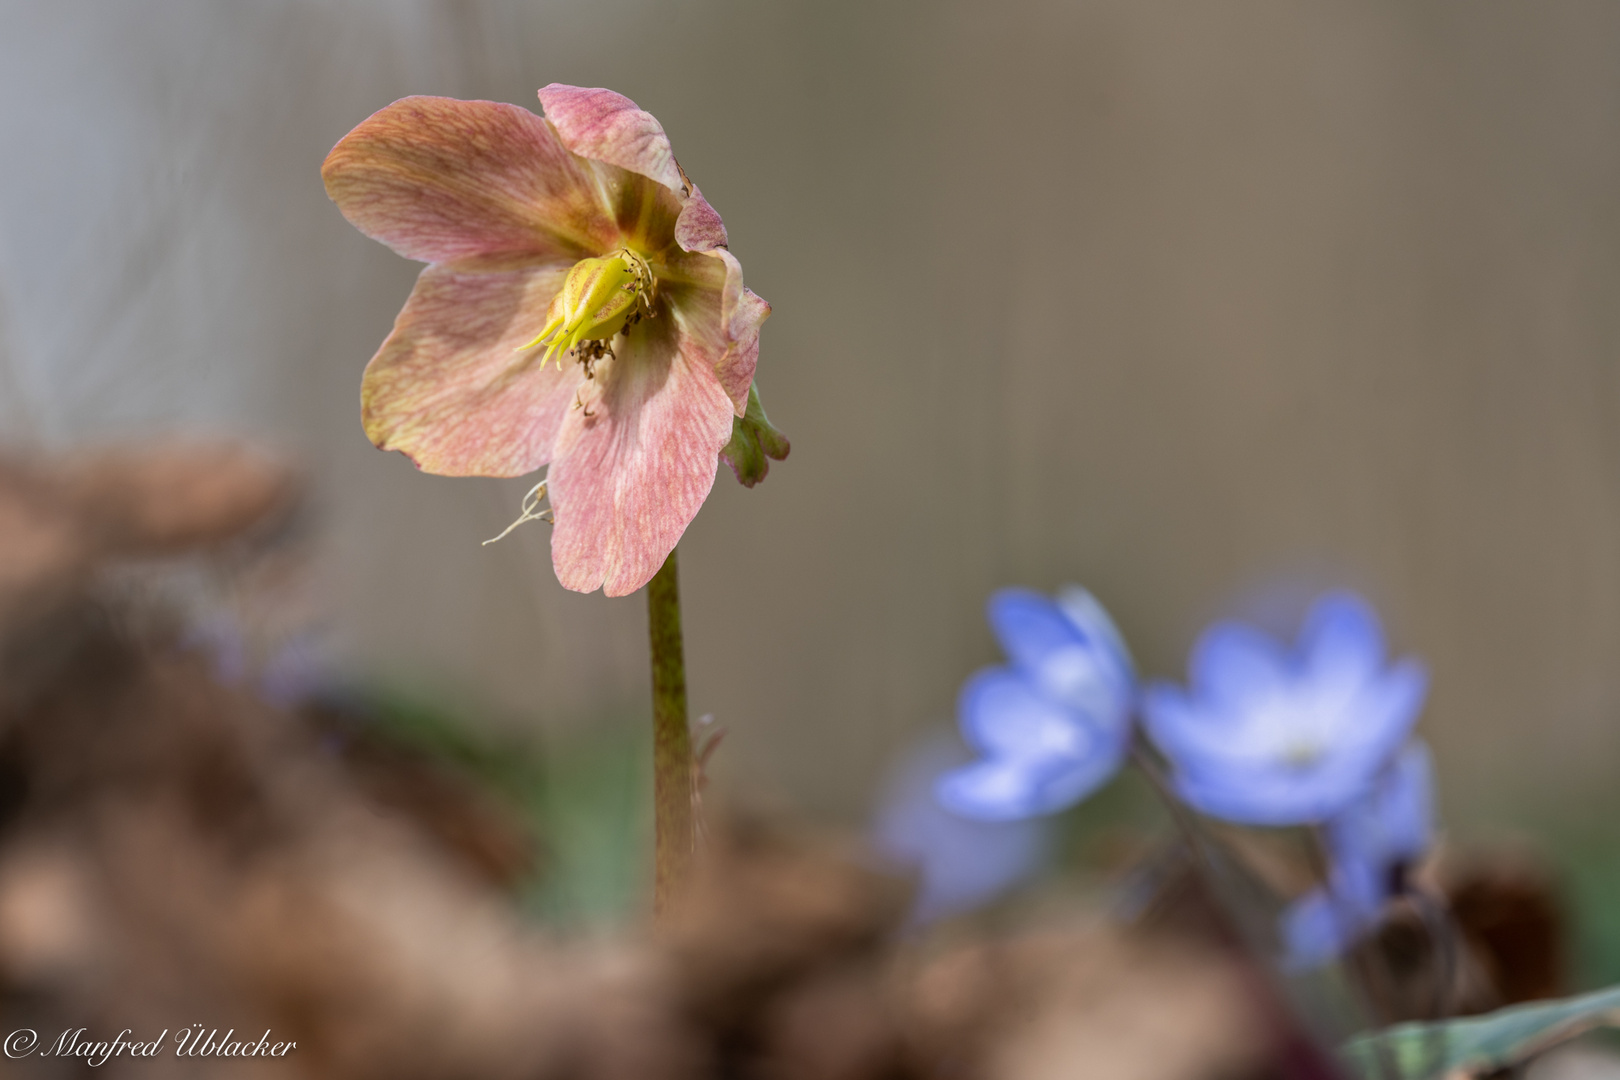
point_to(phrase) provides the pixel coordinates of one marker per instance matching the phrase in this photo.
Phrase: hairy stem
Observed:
(1302, 1048)
(1367, 991)
(674, 825)
(1178, 813)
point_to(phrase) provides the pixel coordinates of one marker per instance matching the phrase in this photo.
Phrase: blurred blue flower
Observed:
(298, 671)
(1394, 825)
(1052, 726)
(960, 864)
(1372, 845)
(1266, 738)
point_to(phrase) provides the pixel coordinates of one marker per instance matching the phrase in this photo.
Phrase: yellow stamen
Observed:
(599, 296)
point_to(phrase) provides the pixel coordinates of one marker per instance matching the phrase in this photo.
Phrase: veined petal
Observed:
(633, 465)
(606, 126)
(644, 211)
(699, 227)
(438, 179)
(448, 387)
(736, 370)
(719, 317)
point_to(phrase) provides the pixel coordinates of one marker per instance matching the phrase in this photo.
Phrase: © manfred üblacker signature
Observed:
(195, 1041)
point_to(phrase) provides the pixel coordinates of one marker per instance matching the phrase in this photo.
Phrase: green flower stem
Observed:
(674, 824)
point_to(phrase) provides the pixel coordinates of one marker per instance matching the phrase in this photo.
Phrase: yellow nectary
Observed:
(598, 298)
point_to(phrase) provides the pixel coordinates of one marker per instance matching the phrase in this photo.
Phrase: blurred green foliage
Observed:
(583, 795)
(1588, 860)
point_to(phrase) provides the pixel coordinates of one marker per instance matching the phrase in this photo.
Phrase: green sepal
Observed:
(753, 440)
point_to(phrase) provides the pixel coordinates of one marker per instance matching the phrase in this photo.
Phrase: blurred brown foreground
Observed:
(176, 851)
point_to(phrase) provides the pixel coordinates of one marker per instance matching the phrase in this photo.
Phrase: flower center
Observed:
(600, 297)
(1300, 753)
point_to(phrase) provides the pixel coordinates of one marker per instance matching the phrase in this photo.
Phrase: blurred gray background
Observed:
(1205, 306)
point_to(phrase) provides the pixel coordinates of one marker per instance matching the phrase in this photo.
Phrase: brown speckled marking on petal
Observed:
(448, 389)
(438, 179)
(626, 480)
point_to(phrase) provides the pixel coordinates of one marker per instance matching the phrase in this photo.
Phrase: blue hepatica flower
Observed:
(960, 864)
(1054, 724)
(1268, 738)
(1372, 845)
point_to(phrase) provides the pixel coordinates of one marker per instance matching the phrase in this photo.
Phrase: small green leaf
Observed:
(753, 439)
(1475, 1045)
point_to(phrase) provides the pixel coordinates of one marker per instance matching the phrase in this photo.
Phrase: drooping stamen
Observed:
(599, 298)
(531, 512)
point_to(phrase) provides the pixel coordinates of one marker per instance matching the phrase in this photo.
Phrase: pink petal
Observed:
(645, 212)
(605, 126)
(628, 478)
(699, 227)
(608, 127)
(438, 179)
(737, 370)
(718, 315)
(449, 389)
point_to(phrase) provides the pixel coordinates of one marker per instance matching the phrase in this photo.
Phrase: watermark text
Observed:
(197, 1041)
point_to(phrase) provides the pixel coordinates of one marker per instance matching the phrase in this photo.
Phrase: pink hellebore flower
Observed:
(579, 310)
